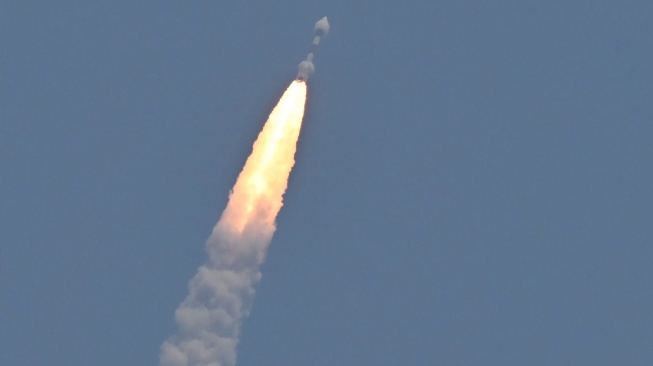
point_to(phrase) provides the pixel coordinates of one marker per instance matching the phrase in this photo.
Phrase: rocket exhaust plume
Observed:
(222, 291)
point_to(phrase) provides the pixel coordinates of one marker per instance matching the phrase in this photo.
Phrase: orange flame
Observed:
(257, 195)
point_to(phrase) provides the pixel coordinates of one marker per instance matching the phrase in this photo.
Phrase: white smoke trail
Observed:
(221, 292)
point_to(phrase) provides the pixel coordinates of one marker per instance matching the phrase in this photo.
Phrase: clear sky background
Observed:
(474, 180)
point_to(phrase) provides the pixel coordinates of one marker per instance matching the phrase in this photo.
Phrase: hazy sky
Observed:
(474, 181)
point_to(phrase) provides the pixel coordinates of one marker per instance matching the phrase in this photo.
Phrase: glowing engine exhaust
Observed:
(222, 291)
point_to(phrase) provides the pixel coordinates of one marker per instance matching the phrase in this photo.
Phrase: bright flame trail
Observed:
(221, 293)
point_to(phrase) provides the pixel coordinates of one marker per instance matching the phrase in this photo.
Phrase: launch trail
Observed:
(221, 293)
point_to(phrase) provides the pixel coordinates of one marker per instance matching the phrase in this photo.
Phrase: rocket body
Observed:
(306, 67)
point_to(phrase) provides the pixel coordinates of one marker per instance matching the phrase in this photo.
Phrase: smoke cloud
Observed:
(222, 291)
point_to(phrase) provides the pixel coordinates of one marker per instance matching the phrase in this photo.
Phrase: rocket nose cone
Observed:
(323, 25)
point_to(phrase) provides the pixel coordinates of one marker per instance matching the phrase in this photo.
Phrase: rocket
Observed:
(306, 67)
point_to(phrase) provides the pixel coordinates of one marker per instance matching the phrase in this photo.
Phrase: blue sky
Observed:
(473, 182)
